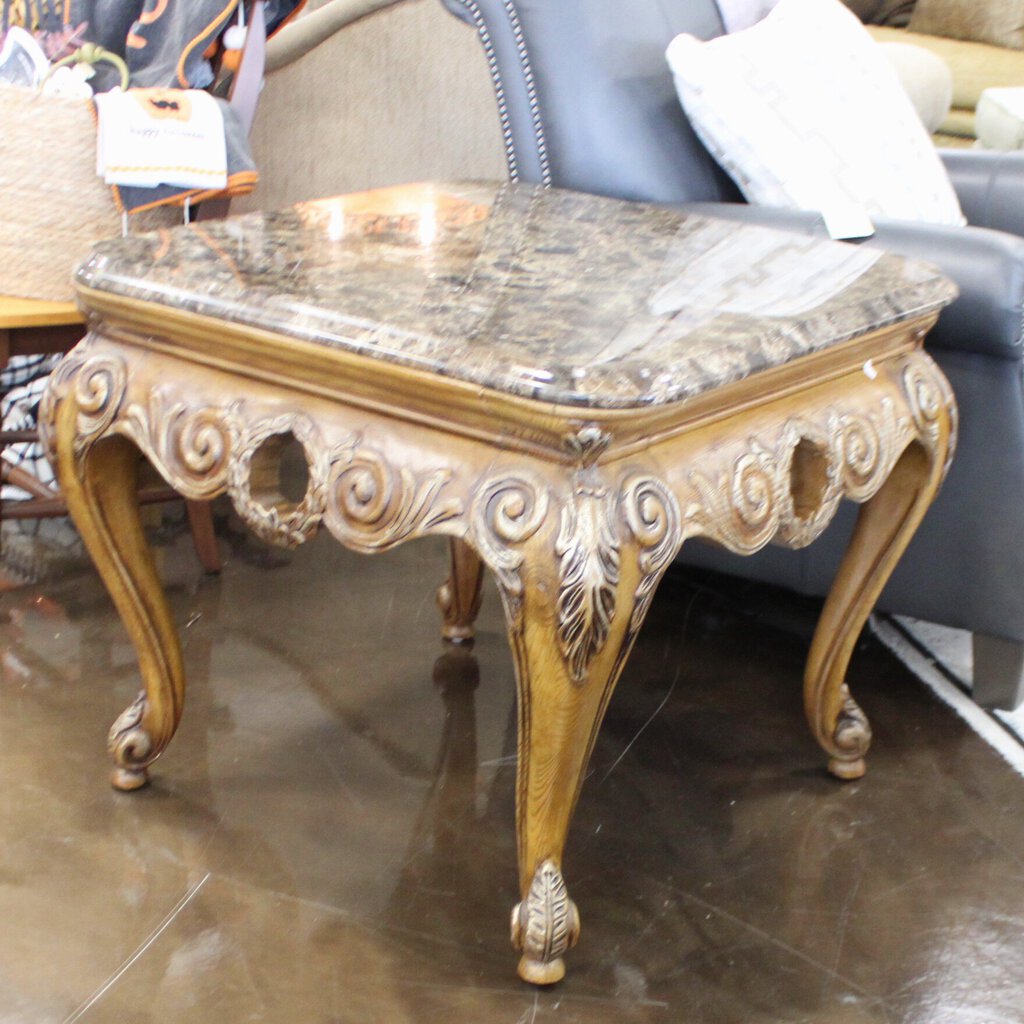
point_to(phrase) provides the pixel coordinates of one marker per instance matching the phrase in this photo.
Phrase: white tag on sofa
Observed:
(847, 220)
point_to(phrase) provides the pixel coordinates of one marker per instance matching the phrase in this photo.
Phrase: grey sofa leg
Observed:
(998, 672)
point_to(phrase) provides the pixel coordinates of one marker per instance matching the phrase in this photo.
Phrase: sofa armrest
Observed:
(990, 187)
(987, 266)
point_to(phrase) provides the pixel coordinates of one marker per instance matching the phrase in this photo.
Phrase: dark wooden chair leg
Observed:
(200, 519)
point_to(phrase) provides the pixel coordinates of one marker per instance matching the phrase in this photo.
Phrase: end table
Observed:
(568, 387)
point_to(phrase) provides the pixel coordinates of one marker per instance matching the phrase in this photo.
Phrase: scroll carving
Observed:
(546, 924)
(929, 395)
(96, 384)
(653, 516)
(587, 548)
(751, 501)
(130, 744)
(372, 506)
(862, 449)
(851, 738)
(924, 398)
(506, 513)
(193, 447)
(743, 506)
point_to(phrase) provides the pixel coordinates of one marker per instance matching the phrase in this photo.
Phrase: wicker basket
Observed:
(53, 206)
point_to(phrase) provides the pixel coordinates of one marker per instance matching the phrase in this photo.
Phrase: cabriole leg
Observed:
(570, 632)
(100, 485)
(884, 527)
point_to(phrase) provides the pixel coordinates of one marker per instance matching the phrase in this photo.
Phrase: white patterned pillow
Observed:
(804, 111)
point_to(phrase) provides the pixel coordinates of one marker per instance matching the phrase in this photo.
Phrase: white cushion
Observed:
(805, 112)
(927, 79)
(999, 119)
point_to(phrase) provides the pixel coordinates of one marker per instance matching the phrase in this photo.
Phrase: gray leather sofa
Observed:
(586, 101)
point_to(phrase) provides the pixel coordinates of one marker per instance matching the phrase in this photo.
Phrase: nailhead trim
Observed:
(499, 90)
(531, 91)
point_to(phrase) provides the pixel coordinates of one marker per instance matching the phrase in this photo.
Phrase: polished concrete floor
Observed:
(329, 838)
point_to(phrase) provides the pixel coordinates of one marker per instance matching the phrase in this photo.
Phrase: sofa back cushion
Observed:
(882, 12)
(587, 99)
(999, 22)
(975, 66)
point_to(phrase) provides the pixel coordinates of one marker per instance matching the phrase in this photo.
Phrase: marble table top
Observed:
(553, 295)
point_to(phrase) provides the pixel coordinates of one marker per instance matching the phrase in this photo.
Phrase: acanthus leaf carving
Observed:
(587, 444)
(850, 739)
(587, 547)
(130, 744)
(546, 924)
(852, 734)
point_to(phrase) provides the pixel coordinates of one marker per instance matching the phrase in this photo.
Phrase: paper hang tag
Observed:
(843, 216)
(151, 137)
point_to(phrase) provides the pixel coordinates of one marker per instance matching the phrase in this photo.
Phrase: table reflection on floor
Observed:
(330, 837)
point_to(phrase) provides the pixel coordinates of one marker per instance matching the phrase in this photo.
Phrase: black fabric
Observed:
(162, 41)
(22, 382)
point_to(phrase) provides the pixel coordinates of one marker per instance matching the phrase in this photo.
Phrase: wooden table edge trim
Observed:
(547, 430)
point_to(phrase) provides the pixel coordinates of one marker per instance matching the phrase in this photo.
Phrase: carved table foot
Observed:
(851, 737)
(130, 746)
(460, 595)
(545, 925)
